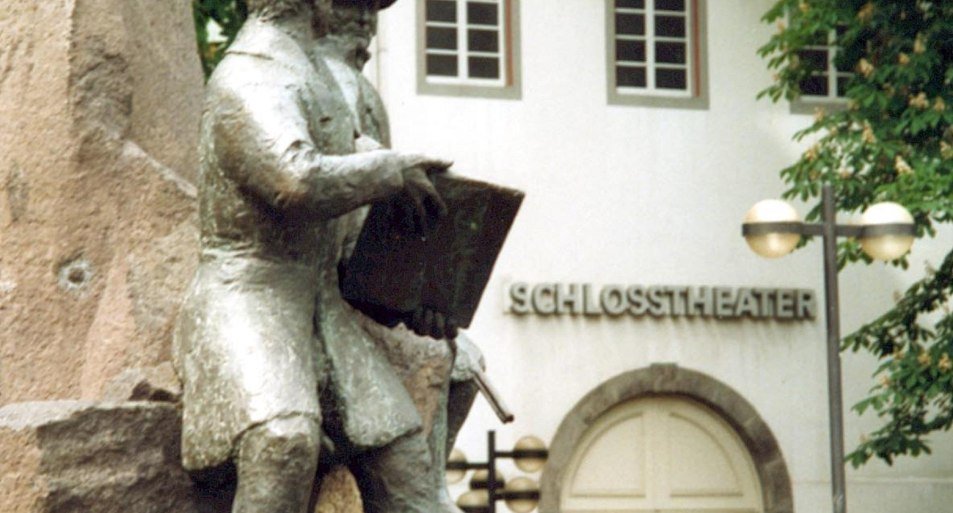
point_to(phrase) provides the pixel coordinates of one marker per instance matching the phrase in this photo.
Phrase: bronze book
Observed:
(393, 272)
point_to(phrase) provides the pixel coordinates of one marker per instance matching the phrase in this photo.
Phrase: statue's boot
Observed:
(392, 479)
(276, 464)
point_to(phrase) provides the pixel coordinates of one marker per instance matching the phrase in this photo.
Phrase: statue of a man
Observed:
(346, 51)
(267, 349)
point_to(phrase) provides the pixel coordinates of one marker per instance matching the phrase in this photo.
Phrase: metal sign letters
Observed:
(662, 301)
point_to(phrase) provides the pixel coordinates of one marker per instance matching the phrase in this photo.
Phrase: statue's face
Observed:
(354, 22)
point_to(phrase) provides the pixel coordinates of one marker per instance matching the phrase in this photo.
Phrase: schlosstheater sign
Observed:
(662, 301)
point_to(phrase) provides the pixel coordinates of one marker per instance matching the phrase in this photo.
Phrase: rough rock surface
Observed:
(99, 108)
(73, 456)
(87, 457)
(157, 383)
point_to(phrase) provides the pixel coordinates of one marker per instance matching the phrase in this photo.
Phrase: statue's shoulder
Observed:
(260, 55)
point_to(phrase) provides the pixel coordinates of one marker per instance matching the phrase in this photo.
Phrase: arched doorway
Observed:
(661, 453)
(711, 417)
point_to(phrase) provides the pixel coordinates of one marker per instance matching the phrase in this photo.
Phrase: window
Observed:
(827, 81)
(655, 52)
(468, 47)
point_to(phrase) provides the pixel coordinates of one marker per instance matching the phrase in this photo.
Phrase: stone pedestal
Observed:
(100, 102)
(83, 457)
(88, 457)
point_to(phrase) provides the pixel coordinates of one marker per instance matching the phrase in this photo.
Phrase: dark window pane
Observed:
(671, 79)
(814, 85)
(670, 5)
(813, 59)
(630, 50)
(442, 38)
(843, 64)
(630, 24)
(442, 65)
(670, 26)
(630, 4)
(819, 38)
(629, 77)
(673, 53)
(483, 40)
(484, 67)
(842, 83)
(482, 13)
(441, 10)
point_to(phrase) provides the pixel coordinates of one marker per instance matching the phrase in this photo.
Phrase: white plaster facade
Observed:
(644, 195)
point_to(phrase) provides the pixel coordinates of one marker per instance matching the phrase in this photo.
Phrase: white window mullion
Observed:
(650, 40)
(832, 52)
(689, 45)
(463, 70)
(501, 41)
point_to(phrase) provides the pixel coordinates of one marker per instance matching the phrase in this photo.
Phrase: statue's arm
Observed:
(262, 142)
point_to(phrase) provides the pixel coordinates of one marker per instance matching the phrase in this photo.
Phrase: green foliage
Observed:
(228, 14)
(893, 141)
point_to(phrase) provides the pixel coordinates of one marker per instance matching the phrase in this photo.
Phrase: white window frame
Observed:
(695, 93)
(650, 39)
(505, 86)
(463, 52)
(832, 73)
(807, 103)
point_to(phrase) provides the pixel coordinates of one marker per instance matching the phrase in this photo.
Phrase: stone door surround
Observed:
(672, 380)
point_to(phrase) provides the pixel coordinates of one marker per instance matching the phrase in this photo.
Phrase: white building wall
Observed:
(636, 195)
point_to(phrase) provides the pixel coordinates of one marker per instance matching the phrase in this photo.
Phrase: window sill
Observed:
(511, 92)
(810, 105)
(657, 101)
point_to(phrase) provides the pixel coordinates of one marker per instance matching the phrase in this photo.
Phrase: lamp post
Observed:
(886, 231)
(487, 485)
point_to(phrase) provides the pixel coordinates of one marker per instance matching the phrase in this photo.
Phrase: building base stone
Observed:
(89, 457)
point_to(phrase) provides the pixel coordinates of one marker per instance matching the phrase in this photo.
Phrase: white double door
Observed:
(661, 454)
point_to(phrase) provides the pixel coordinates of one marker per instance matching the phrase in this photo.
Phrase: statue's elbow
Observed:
(291, 196)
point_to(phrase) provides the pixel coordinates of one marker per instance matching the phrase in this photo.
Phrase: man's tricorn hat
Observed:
(382, 4)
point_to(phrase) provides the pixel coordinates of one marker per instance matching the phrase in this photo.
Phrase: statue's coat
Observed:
(264, 327)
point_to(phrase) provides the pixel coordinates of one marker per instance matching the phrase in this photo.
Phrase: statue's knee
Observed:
(289, 438)
(409, 451)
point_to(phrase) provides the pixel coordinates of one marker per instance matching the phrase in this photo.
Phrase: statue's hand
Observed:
(427, 322)
(423, 206)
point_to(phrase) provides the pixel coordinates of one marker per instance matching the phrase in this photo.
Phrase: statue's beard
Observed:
(352, 46)
(361, 55)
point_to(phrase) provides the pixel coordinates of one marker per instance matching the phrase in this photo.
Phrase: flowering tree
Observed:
(890, 140)
(227, 14)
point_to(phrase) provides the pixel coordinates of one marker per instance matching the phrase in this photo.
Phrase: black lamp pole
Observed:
(830, 230)
(832, 315)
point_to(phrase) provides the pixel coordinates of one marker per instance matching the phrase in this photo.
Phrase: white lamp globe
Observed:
(522, 484)
(891, 246)
(772, 245)
(481, 479)
(529, 464)
(474, 500)
(455, 476)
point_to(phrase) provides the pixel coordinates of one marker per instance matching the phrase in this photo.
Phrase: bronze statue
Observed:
(345, 50)
(268, 351)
